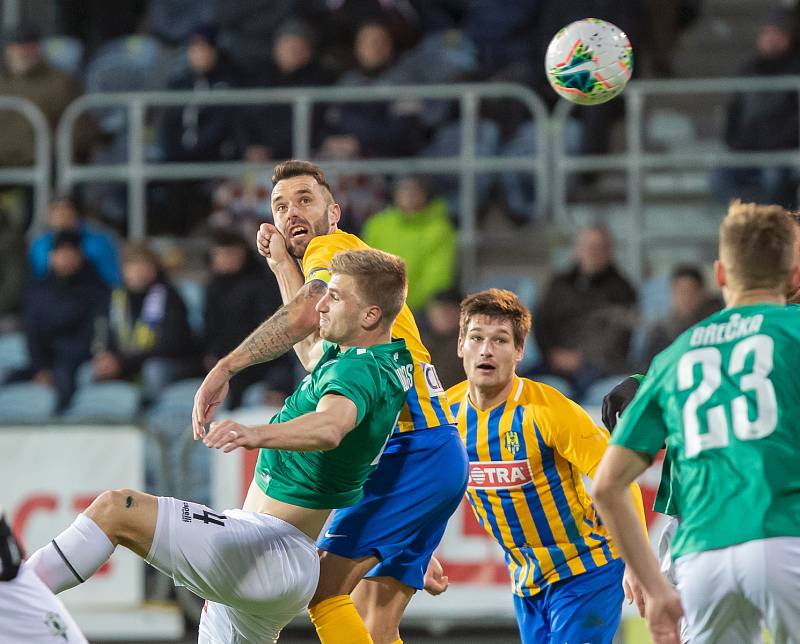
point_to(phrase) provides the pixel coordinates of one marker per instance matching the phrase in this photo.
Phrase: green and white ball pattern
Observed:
(589, 61)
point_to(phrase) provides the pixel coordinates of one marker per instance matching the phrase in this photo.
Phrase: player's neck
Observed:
(735, 299)
(366, 340)
(485, 397)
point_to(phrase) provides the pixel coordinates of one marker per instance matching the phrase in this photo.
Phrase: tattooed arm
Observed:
(289, 325)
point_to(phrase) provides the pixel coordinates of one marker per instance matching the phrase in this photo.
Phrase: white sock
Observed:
(73, 556)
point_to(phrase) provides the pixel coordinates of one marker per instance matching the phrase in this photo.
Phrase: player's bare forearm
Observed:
(611, 493)
(638, 503)
(320, 430)
(289, 325)
(290, 283)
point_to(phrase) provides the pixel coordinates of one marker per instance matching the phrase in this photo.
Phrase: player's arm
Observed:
(274, 337)
(321, 430)
(272, 246)
(575, 436)
(619, 468)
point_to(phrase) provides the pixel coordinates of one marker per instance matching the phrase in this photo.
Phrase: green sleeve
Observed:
(355, 379)
(641, 427)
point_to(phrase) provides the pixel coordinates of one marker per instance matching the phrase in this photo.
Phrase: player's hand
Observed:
(664, 614)
(633, 590)
(209, 396)
(271, 245)
(616, 400)
(228, 435)
(436, 582)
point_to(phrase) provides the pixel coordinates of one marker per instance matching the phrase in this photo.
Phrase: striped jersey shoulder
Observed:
(455, 396)
(539, 393)
(321, 249)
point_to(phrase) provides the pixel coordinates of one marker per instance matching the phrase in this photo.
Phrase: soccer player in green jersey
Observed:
(724, 398)
(259, 568)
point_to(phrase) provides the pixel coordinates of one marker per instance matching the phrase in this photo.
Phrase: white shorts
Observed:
(256, 571)
(31, 613)
(728, 591)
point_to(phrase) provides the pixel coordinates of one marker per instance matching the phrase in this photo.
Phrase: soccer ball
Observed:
(589, 61)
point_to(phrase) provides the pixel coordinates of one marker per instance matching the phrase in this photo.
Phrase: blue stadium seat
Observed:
(13, 352)
(180, 393)
(524, 286)
(599, 388)
(26, 402)
(193, 294)
(253, 396)
(64, 53)
(116, 402)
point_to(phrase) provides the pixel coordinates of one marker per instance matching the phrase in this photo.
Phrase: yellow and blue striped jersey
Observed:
(426, 403)
(527, 455)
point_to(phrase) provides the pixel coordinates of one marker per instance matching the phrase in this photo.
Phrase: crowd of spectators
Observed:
(134, 322)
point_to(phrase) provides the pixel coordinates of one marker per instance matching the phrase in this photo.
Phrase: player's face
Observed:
(340, 310)
(302, 209)
(488, 351)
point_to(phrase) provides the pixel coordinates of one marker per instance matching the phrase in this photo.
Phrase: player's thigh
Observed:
(714, 607)
(587, 607)
(234, 557)
(407, 502)
(31, 613)
(531, 619)
(381, 601)
(771, 580)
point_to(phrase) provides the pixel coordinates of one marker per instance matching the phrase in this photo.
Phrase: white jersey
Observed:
(256, 571)
(31, 613)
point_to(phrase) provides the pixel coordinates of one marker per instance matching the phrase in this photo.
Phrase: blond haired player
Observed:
(724, 398)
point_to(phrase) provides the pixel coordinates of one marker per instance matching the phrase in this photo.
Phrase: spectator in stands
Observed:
(439, 331)
(584, 321)
(242, 205)
(374, 128)
(12, 269)
(149, 334)
(341, 20)
(240, 295)
(417, 228)
(294, 64)
(201, 133)
(62, 313)
(195, 133)
(765, 121)
(98, 247)
(691, 302)
(27, 74)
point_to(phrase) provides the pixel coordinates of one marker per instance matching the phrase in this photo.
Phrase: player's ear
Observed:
(460, 347)
(719, 273)
(519, 351)
(372, 316)
(334, 213)
(794, 280)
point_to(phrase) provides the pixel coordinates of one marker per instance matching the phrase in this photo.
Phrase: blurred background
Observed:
(137, 139)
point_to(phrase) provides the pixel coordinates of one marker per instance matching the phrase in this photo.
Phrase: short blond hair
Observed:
(757, 246)
(497, 304)
(380, 277)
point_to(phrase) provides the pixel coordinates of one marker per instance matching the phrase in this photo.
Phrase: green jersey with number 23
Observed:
(725, 396)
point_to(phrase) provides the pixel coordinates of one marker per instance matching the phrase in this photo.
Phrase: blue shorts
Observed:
(585, 608)
(419, 483)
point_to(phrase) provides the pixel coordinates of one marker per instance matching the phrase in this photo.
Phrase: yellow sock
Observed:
(337, 622)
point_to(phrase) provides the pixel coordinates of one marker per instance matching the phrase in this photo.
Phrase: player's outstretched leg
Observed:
(116, 517)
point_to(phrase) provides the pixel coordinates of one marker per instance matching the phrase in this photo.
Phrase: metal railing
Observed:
(137, 171)
(37, 175)
(635, 161)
